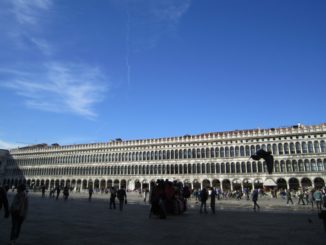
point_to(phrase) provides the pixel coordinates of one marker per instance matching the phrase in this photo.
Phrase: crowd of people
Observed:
(165, 198)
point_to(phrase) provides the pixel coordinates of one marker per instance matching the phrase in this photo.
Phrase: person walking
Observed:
(4, 200)
(58, 189)
(113, 195)
(90, 193)
(255, 199)
(213, 197)
(301, 197)
(122, 196)
(18, 210)
(288, 197)
(203, 199)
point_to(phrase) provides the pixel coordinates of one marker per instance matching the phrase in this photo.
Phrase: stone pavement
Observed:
(78, 221)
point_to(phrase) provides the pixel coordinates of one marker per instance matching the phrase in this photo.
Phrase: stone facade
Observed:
(219, 159)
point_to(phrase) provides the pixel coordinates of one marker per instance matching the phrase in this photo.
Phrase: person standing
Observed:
(255, 199)
(203, 199)
(288, 197)
(146, 192)
(43, 190)
(66, 193)
(18, 210)
(113, 195)
(318, 199)
(4, 200)
(213, 197)
(122, 196)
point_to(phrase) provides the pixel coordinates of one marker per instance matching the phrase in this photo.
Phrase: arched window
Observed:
(207, 153)
(298, 147)
(222, 167)
(289, 166)
(212, 153)
(243, 167)
(227, 152)
(310, 147)
(277, 167)
(260, 167)
(322, 146)
(247, 150)
(295, 166)
(217, 152)
(208, 169)
(304, 147)
(286, 148)
(218, 168)
(307, 165)
(254, 167)
(316, 145)
(242, 153)
(253, 150)
(213, 168)
(320, 165)
(194, 169)
(198, 153)
(232, 151)
(227, 167)
(202, 153)
(282, 165)
(198, 168)
(301, 166)
(292, 148)
(280, 149)
(185, 154)
(222, 151)
(193, 153)
(275, 149)
(156, 155)
(237, 168)
(313, 165)
(232, 168)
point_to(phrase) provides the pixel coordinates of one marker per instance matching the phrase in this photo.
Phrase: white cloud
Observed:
(28, 11)
(9, 145)
(61, 88)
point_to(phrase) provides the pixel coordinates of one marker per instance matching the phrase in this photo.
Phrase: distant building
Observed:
(218, 159)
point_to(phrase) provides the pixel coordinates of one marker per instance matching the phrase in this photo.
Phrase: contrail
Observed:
(128, 44)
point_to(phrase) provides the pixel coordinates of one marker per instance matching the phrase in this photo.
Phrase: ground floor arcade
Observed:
(225, 183)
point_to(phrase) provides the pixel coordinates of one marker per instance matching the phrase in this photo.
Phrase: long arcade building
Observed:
(219, 159)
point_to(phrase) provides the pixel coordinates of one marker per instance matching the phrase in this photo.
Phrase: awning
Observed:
(269, 182)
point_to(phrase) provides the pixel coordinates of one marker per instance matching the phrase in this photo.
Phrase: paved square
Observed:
(78, 221)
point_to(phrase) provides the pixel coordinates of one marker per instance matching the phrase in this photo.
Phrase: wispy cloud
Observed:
(9, 145)
(42, 45)
(28, 11)
(26, 24)
(61, 88)
(160, 18)
(170, 10)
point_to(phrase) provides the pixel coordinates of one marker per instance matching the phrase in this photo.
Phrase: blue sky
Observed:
(91, 71)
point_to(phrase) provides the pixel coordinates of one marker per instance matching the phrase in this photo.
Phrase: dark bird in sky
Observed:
(267, 156)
